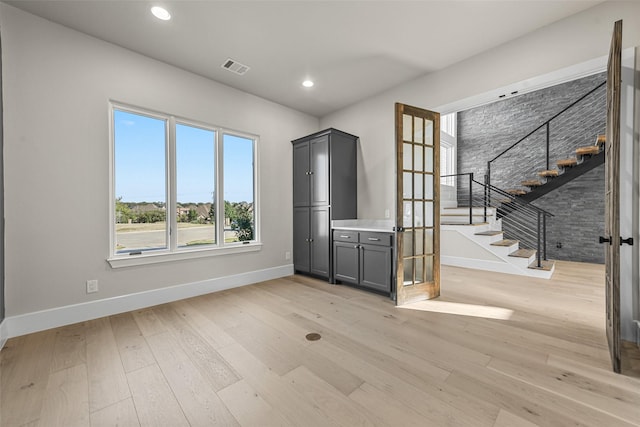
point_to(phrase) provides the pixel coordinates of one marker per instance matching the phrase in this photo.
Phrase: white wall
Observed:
(579, 38)
(57, 86)
(575, 40)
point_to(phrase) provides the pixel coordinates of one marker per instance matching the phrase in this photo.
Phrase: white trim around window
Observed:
(172, 249)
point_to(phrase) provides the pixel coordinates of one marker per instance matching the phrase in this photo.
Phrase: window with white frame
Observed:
(179, 186)
(448, 144)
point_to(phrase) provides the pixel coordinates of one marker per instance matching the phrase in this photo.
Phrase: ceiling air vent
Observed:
(235, 67)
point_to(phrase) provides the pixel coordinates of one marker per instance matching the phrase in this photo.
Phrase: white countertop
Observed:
(383, 225)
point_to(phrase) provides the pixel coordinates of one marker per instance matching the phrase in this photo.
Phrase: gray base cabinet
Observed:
(324, 189)
(346, 262)
(375, 267)
(363, 259)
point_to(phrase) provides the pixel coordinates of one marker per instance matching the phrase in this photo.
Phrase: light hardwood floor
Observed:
(494, 350)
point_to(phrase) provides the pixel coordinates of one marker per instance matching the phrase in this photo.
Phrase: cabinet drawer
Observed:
(372, 238)
(345, 236)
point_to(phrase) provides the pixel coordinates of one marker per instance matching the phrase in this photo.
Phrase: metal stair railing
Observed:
(544, 125)
(521, 220)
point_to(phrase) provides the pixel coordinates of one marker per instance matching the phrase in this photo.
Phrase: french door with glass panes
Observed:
(418, 204)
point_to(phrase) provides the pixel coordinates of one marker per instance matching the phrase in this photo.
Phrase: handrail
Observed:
(515, 199)
(549, 121)
(528, 220)
(546, 125)
(501, 192)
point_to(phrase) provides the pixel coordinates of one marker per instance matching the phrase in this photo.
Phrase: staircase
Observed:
(482, 245)
(473, 237)
(492, 229)
(585, 159)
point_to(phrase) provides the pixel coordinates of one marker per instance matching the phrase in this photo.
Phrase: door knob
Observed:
(604, 239)
(628, 241)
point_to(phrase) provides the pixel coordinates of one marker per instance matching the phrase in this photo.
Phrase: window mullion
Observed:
(256, 194)
(220, 219)
(172, 228)
(112, 182)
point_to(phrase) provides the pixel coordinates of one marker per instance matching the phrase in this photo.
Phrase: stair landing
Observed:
(545, 265)
(483, 247)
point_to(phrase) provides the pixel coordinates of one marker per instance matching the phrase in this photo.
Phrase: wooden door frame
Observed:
(426, 290)
(612, 197)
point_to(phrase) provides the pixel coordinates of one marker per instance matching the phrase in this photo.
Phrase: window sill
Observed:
(162, 257)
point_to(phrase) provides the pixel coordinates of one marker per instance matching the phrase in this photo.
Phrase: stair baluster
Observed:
(523, 221)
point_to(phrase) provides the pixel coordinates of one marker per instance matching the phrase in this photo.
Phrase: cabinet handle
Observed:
(310, 172)
(345, 237)
(356, 246)
(310, 240)
(373, 239)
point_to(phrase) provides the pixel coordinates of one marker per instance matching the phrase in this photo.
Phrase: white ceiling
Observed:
(351, 49)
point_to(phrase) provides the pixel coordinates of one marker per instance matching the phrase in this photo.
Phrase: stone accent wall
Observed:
(578, 206)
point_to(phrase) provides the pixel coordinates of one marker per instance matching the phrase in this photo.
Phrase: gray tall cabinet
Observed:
(324, 189)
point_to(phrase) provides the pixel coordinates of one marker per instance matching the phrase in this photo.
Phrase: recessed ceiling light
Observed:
(307, 83)
(161, 13)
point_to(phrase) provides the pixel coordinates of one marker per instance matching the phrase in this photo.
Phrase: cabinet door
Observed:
(375, 267)
(301, 240)
(301, 176)
(320, 241)
(319, 151)
(345, 262)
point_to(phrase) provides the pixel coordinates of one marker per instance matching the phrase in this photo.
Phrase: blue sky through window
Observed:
(140, 162)
(238, 169)
(195, 164)
(139, 157)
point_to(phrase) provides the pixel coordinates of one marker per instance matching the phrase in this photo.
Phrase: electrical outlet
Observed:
(287, 255)
(92, 286)
(387, 214)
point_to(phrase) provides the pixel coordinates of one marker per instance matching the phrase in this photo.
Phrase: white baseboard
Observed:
(14, 326)
(496, 266)
(4, 335)
(479, 264)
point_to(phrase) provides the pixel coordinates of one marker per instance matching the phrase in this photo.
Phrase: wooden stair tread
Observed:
(531, 183)
(489, 233)
(523, 253)
(549, 173)
(588, 150)
(467, 207)
(504, 242)
(517, 192)
(505, 200)
(564, 163)
(601, 139)
(475, 224)
(545, 265)
(464, 214)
